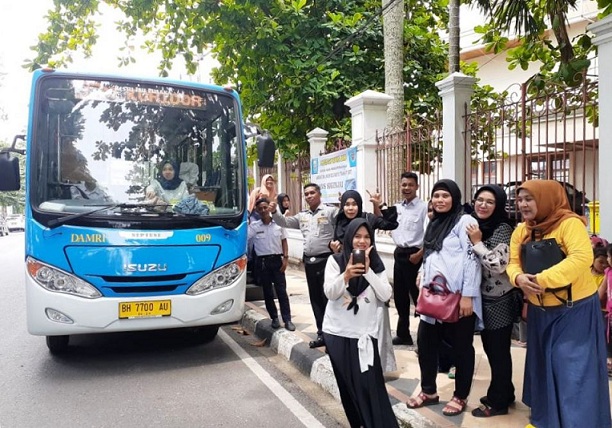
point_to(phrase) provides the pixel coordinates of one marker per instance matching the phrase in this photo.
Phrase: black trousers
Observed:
(404, 288)
(268, 268)
(496, 344)
(315, 277)
(460, 335)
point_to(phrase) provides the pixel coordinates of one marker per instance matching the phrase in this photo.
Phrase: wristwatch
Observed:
(285, 257)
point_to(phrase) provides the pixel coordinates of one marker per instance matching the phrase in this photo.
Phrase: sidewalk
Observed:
(402, 383)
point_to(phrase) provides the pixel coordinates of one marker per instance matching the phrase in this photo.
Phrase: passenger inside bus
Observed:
(167, 188)
(89, 189)
(77, 179)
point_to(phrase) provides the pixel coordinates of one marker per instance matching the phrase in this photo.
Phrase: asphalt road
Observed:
(144, 379)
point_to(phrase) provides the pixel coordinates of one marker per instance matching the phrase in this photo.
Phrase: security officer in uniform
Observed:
(317, 225)
(270, 243)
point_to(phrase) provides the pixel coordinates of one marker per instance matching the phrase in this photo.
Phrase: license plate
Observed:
(145, 309)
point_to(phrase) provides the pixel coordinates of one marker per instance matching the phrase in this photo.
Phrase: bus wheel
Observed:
(204, 334)
(57, 344)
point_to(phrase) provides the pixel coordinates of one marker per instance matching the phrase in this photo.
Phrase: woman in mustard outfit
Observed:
(566, 382)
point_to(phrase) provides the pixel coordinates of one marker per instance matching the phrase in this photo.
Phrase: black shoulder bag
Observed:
(537, 256)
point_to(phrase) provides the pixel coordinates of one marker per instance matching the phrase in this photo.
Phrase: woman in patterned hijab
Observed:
(501, 302)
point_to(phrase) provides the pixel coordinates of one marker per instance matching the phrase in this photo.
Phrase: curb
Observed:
(315, 364)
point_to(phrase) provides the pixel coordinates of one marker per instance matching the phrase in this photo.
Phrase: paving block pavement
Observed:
(401, 384)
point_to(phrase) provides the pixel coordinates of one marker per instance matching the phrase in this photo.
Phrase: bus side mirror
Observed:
(265, 150)
(9, 173)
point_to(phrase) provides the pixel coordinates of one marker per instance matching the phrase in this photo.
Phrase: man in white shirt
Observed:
(269, 241)
(411, 215)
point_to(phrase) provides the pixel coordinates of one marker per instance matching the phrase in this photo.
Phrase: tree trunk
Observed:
(454, 31)
(393, 27)
(563, 39)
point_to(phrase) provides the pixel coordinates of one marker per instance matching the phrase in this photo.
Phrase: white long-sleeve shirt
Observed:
(363, 325)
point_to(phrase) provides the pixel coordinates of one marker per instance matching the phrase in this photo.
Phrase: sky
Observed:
(25, 20)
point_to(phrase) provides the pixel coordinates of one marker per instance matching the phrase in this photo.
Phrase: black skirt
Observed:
(364, 395)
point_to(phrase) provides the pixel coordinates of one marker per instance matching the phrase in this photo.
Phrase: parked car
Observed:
(577, 199)
(3, 227)
(15, 222)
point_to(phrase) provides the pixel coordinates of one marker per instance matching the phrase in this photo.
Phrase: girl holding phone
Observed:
(357, 293)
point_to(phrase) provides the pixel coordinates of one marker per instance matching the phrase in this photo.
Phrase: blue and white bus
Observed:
(99, 256)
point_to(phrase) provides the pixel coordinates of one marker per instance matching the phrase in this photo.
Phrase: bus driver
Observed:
(167, 188)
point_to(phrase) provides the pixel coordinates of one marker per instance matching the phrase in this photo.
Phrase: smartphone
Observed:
(358, 256)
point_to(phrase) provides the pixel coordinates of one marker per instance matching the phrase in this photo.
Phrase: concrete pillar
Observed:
(603, 40)
(256, 177)
(456, 90)
(280, 173)
(368, 114)
(317, 139)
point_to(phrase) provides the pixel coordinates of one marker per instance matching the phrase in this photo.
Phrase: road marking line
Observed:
(277, 389)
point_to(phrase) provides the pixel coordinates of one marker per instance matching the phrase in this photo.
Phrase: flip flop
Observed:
(422, 400)
(451, 410)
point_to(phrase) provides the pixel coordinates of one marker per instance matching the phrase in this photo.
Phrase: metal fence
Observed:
(418, 148)
(297, 174)
(551, 134)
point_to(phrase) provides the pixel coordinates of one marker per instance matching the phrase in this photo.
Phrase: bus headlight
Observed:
(58, 281)
(219, 278)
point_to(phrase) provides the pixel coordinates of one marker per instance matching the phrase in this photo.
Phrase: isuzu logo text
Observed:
(145, 267)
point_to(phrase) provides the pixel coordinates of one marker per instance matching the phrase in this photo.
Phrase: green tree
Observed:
(566, 60)
(295, 62)
(11, 199)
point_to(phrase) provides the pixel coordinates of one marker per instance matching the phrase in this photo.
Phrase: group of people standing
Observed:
(478, 255)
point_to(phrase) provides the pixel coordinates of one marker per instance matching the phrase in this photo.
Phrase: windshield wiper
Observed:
(59, 221)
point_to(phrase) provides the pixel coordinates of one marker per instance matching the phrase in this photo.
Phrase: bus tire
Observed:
(58, 344)
(204, 334)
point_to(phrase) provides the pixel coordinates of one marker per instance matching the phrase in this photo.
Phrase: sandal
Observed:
(422, 400)
(485, 411)
(485, 400)
(454, 407)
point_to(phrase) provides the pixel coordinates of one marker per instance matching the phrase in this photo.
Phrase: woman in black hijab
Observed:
(284, 203)
(167, 188)
(501, 302)
(357, 293)
(449, 258)
(351, 207)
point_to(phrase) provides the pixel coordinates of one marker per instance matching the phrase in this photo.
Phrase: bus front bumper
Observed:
(102, 315)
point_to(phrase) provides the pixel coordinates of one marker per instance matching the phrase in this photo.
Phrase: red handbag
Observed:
(436, 301)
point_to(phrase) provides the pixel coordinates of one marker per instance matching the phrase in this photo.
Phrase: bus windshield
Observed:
(158, 154)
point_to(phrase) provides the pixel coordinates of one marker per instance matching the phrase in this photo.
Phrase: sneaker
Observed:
(290, 326)
(275, 324)
(402, 341)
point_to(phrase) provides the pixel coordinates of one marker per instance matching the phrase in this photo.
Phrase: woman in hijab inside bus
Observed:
(167, 188)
